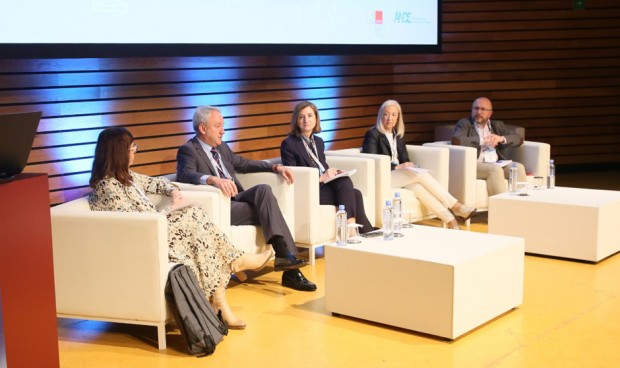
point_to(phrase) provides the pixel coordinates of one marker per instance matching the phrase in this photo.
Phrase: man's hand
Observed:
(227, 186)
(286, 172)
(493, 140)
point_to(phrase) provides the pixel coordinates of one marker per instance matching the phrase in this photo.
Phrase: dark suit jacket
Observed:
(294, 153)
(465, 134)
(193, 163)
(377, 142)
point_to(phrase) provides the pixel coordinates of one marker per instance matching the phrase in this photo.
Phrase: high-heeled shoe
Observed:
(250, 261)
(464, 212)
(219, 304)
(453, 226)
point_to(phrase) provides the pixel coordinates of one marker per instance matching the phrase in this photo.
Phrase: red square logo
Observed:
(378, 16)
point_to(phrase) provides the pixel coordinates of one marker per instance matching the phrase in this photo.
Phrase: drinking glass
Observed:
(406, 219)
(538, 182)
(355, 238)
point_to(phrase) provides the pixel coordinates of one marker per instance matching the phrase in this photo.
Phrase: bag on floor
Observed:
(201, 327)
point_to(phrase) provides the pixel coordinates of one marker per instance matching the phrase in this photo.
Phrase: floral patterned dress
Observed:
(192, 238)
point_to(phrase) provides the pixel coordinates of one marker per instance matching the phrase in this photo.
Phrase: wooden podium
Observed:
(27, 274)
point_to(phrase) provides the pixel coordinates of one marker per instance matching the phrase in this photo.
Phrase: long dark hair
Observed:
(112, 156)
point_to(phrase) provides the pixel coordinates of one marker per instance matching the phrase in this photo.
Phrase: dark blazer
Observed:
(377, 142)
(294, 153)
(465, 134)
(193, 163)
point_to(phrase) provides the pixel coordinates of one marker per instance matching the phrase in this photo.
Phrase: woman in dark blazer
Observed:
(387, 138)
(303, 148)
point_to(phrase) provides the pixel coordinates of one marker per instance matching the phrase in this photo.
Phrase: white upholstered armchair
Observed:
(435, 159)
(113, 266)
(472, 191)
(247, 237)
(315, 224)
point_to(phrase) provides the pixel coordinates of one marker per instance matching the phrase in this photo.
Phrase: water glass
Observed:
(406, 219)
(354, 234)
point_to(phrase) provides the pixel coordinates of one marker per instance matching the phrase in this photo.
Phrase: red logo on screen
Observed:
(378, 16)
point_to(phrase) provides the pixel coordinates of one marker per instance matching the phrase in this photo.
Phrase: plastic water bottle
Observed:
(341, 226)
(512, 178)
(397, 213)
(388, 223)
(551, 175)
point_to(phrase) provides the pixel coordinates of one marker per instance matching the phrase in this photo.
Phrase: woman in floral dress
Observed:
(192, 238)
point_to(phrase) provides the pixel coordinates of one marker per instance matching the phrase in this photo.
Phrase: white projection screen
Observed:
(82, 28)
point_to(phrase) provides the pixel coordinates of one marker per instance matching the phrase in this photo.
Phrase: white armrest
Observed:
(434, 158)
(462, 172)
(283, 191)
(363, 179)
(313, 222)
(383, 178)
(219, 211)
(534, 156)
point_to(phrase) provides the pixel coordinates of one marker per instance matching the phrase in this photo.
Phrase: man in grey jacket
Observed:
(492, 140)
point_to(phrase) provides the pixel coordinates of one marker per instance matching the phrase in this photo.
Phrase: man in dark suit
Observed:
(205, 159)
(492, 140)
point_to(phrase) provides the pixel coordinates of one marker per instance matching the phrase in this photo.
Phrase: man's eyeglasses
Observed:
(481, 109)
(134, 148)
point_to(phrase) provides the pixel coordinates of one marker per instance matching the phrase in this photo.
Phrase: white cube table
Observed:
(562, 222)
(436, 281)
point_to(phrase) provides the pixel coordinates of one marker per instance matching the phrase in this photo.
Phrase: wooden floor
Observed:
(570, 317)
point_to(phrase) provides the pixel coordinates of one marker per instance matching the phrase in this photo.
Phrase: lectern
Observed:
(27, 273)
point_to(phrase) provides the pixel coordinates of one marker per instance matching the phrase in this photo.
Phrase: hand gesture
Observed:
(405, 165)
(286, 173)
(329, 174)
(178, 201)
(493, 140)
(227, 186)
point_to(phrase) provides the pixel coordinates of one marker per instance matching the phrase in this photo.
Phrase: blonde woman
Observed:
(387, 138)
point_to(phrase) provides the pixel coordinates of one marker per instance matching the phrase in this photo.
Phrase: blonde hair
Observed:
(400, 125)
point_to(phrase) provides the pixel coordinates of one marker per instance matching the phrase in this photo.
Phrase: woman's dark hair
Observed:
(112, 156)
(295, 131)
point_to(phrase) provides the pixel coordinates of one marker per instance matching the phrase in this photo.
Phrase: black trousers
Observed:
(341, 191)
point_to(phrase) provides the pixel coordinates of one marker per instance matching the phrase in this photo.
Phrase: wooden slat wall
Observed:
(547, 67)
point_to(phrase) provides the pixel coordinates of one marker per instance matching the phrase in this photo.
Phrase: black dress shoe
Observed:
(284, 264)
(294, 279)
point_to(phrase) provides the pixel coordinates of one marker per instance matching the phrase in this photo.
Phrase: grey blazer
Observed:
(193, 163)
(465, 134)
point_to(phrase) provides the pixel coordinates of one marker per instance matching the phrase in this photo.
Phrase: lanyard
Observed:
(313, 156)
(393, 148)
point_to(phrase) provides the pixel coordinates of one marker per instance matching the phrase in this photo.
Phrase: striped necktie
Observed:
(218, 163)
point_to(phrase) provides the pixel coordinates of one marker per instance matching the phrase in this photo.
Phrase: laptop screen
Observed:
(17, 133)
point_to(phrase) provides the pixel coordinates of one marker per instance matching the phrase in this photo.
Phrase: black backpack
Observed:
(202, 328)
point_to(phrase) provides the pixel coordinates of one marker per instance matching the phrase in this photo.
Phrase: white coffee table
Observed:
(436, 281)
(562, 222)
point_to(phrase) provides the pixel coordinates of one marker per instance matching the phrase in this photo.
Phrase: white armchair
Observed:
(435, 159)
(315, 224)
(113, 266)
(248, 238)
(472, 191)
